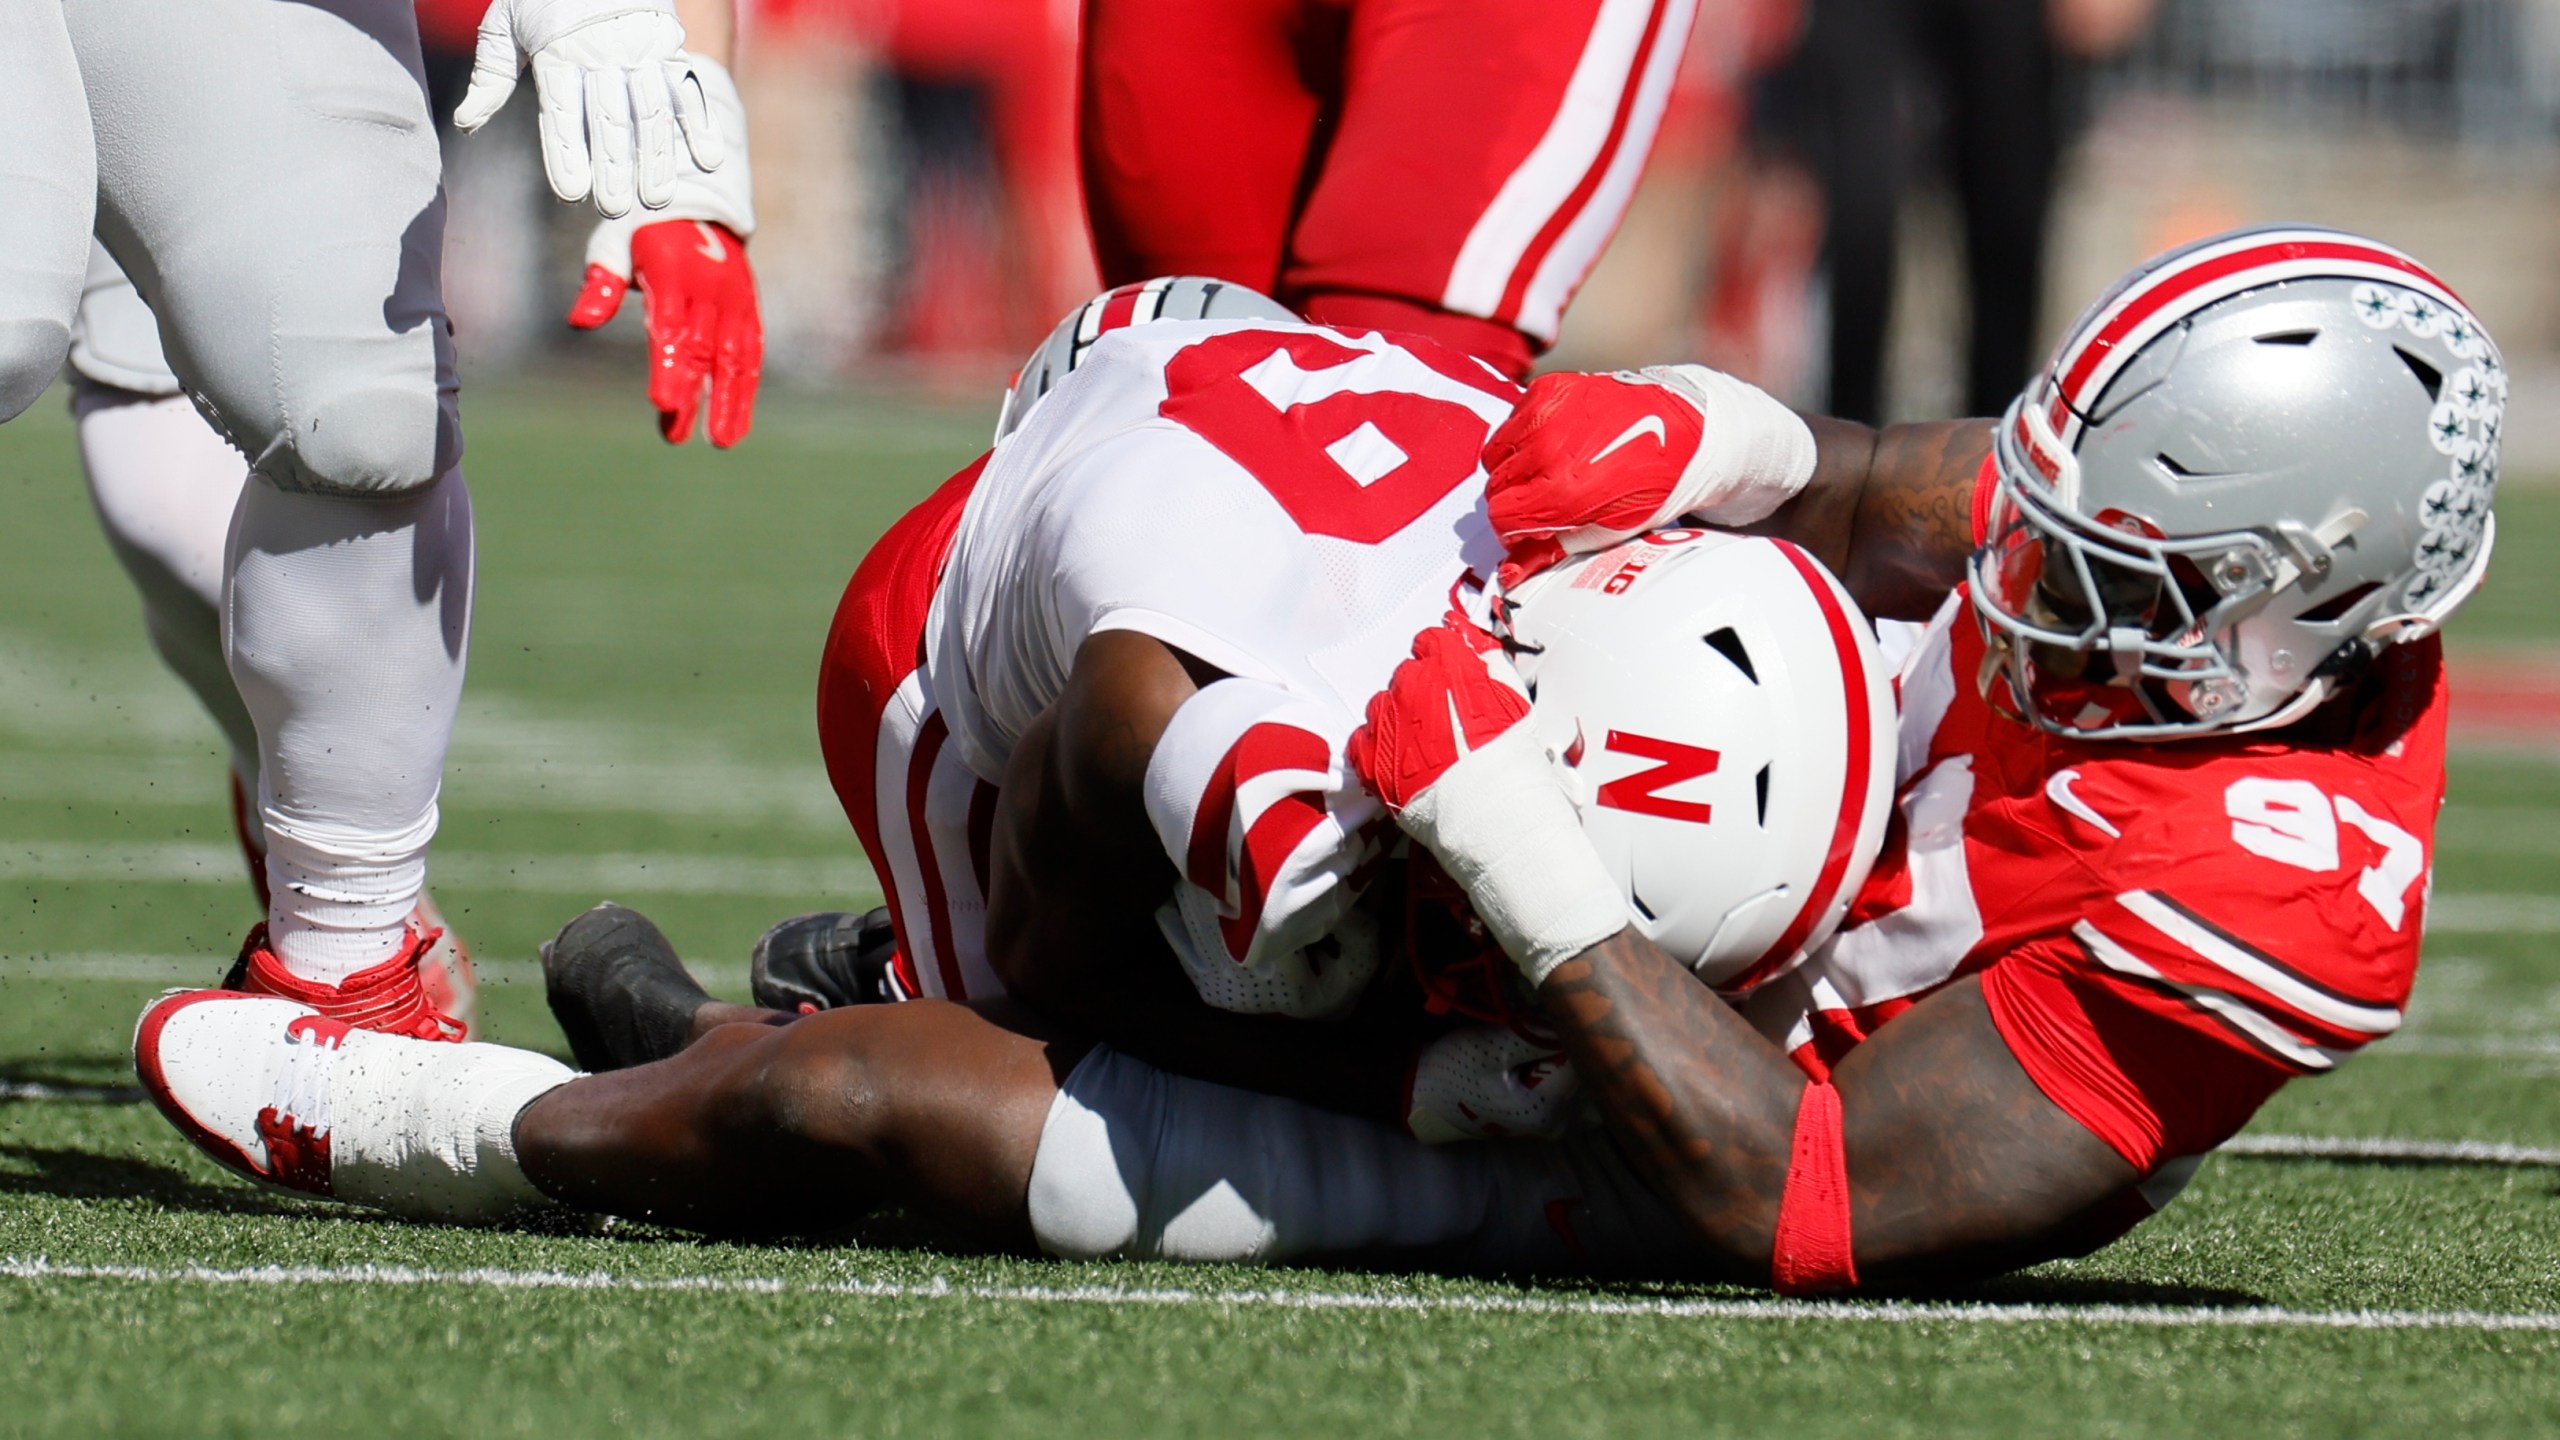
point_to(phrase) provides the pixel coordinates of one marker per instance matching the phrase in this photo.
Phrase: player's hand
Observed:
(704, 329)
(1588, 461)
(1483, 1082)
(1456, 695)
(615, 89)
(1449, 748)
(690, 262)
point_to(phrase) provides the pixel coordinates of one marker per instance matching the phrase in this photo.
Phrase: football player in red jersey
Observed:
(2172, 758)
(2167, 786)
(1449, 168)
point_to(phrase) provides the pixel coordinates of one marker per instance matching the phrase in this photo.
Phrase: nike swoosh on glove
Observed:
(690, 262)
(1447, 747)
(1588, 461)
(1483, 1082)
(614, 88)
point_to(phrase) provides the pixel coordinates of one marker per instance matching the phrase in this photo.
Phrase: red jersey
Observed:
(2166, 933)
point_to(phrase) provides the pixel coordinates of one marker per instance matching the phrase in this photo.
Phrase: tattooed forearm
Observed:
(1914, 523)
(1891, 510)
(1703, 1104)
(1959, 1166)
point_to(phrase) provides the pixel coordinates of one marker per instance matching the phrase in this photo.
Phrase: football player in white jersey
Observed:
(1104, 718)
(267, 174)
(2160, 852)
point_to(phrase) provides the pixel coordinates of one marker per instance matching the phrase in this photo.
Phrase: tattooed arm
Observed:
(1958, 1165)
(1890, 510)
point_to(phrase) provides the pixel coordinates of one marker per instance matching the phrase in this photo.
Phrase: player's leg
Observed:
(48, 189)
(291, 256)
(1852, 65)
(165, 487)
(1197, 131)
(1485, 152)
(974, 1123)
(1996, 65)
(923, 817)
(803, 1128)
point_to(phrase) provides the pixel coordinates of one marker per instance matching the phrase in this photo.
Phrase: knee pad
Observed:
(379, 440)
(31, 354)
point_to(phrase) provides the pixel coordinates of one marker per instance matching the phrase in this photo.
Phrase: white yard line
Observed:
(636, 876)
(2487, 914)
(2255, 1317)
(107, 965)
(2339, 1147)
(72, 1094)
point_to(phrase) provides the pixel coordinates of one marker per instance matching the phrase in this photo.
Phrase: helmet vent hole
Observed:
(1641, 908)
(2427, 374)
(2171, 465)
(2289, 337)
(1760, 788)
(2328, 611)
(1729, 645)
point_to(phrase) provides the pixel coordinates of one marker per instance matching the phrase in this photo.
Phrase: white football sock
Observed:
(345, 626)
(427, 1130)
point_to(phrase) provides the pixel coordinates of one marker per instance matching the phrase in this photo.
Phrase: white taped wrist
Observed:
(725, 195)
(1754, 455)
(1501, 825)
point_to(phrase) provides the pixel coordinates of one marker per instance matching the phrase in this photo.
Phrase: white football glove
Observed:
(1319, 981)
(725, 196)
(1483, 1082)
(614, 92)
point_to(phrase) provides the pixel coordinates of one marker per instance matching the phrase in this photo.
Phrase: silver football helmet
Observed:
(1167, 297)
(2254, 463)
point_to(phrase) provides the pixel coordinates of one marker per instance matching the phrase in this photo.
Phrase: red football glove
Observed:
(1452, 698)
(704, 328)
(1583, 451)
(1588, 461)
(1446, 748)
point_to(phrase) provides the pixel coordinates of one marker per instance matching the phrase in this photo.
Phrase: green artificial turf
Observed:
(638, 725)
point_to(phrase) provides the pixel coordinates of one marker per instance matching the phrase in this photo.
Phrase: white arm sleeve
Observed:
(1256, 807)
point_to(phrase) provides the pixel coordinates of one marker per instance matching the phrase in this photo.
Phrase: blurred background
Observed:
(1888, 208)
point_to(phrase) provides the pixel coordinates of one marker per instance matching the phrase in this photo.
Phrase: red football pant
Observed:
(1444, 167)
(924, 818)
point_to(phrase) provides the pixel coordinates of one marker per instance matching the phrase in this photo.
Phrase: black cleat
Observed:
(618, 990)
(824, 961)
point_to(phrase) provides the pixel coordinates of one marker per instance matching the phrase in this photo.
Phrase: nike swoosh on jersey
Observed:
(712, 245)
(2058, 790)
(1649, 425)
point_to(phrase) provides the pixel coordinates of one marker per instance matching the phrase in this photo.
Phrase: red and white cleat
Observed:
(445, 973)
(248, 1079)
(392, 997)
(278, 1092)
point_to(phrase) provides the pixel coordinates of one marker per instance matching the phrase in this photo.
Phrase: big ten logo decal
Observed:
(1358, 465)
(2294, 822)
(1674, 763)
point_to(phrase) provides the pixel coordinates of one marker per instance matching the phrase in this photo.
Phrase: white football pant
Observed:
(290, 253)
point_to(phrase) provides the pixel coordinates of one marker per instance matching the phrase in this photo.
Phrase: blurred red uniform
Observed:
(1450, 168)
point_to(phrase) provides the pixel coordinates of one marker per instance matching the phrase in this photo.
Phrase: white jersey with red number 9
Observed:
(1286, 503)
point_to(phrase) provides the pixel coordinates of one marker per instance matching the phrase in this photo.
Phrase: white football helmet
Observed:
(1727, 728)
(2254, 463)
(1167, 297)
